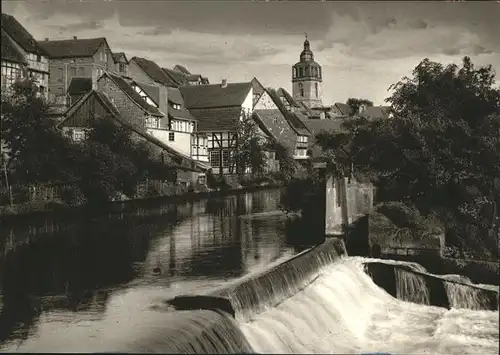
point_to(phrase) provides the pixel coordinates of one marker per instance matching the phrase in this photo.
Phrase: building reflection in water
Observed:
(76, 264)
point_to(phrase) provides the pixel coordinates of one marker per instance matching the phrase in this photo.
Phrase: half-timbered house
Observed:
(97, 105)
(218, 108)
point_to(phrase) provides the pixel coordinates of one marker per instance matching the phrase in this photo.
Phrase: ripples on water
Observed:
(86, 268)
(341, 311)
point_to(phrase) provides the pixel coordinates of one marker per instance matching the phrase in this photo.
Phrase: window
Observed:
(301, 87)
(60, 75)
(316, 89)
(319, 72)
(81, 71)
(225, 158)
(122, 67)
(176, 106)
(214, 158)
(78, 136)
(171, 136)
(72, 71)
(294, 72)
(275, 120)
(152, 122)
(38, 58)
(10, 73)
(300, 73)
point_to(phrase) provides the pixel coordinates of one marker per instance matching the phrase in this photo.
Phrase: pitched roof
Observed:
(214, 95)
(344, 109)
(291, 117)
(118, 55)
(217, 118)
(174, 96)
(283, 93)
(260, 115)
(316, 126)
(152, 91)
(19, 34)
(375, 112)
(154, 71)
(177, 77)
(73, 48)
(79, 85)
(285, 137)
(9, 50)
(188, 162)
(193, 77)
(134, 95)
(182, 69)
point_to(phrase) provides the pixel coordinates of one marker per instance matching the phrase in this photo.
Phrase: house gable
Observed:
(265, 102)
(131, 110)
(80, 114)
(276, 124)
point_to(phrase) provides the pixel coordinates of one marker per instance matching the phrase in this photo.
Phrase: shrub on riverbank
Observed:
(438, 154)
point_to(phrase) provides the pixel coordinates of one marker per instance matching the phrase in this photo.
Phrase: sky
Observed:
(363, 47)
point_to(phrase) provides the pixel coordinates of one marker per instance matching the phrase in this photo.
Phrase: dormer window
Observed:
(176, 106)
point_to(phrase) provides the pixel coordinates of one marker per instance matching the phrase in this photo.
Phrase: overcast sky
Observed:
(363, 46)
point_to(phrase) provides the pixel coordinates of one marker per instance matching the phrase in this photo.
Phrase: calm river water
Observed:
(79, 269)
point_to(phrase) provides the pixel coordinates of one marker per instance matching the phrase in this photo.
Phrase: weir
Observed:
(320, 301)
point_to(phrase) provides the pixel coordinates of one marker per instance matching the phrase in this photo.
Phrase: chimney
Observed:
(46, 39)
(224, 83)
(74, 37)
(163, 106)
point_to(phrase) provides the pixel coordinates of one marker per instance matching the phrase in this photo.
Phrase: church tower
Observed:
(306, 79)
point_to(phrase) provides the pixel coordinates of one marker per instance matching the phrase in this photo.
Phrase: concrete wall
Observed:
(359, 202)
(383, 275)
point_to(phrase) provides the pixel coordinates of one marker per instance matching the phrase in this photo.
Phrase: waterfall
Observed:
(411, 287)
(316, 302)
(268, 289)
(463, 296)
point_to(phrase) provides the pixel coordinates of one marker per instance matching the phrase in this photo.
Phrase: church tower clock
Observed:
(307, 79)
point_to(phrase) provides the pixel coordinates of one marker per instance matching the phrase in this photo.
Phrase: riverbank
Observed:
(24, 210)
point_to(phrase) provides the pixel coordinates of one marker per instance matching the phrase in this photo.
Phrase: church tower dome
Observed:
(307, 78)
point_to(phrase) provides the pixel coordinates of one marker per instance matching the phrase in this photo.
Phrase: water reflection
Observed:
(70, 269)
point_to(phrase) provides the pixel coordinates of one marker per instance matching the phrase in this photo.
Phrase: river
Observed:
(59, 271)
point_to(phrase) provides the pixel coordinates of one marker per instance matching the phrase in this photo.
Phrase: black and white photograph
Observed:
(250, 177)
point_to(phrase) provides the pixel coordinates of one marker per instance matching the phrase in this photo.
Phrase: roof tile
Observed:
(19, 34)
(217, 118)
(154, 71)
(79, 85)
(72, 48)
(214, 95)
(9, 50)
(129, 90)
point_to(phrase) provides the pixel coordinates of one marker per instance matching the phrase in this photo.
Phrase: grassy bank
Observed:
(23, 210)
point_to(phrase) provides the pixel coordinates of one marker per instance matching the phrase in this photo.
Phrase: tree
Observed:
(288, 165)
(250, 151)
(114, 163)
(35, 150)
(354, 104)
(439, 153)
